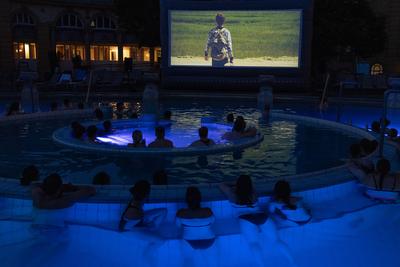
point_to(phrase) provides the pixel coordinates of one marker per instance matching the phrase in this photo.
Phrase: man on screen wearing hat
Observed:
(220, 43)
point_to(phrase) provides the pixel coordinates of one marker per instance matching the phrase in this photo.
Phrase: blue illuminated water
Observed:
(289, 148)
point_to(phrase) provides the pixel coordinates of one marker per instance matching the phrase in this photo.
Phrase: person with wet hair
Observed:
(52, 194)
(243, 192)
(134, 214)
(252, 220)
(160, 177)
(29, 174)
(358, 164)
(358, 160)
(240, 130)
(107, 126)
(382, 178)
(137, 138)
(92, 133)
(161, 141)
(286, 207)
(196, 221)
(101, 178)
(204, 141)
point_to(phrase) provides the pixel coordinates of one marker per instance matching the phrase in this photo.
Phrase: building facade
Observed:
(390, 57)
(41, 34)
(38, 34)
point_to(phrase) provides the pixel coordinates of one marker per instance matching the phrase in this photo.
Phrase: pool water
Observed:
(180, 135)
(288, 148)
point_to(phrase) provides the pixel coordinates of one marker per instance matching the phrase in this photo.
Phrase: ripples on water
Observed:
(288, 148)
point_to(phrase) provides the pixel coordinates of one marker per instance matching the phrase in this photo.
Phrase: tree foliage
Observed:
(347, 24)
(141, 18)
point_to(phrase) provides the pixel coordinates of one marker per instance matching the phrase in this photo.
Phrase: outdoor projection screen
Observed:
(267, 38)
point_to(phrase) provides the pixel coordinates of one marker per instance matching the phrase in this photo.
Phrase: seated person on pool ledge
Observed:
(368, 146)
(137, 138)
(53, 194)
(134, 214)
(204, 140)
(196, 221)
(358, 163)
(239, 130)
(241, 194)
(287, 207)
(161, 141)
(393, 135)
(92, 133)
(252, 220)
(382, 178)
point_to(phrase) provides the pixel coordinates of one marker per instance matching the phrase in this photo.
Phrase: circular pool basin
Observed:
(292, 146)
(116, 142)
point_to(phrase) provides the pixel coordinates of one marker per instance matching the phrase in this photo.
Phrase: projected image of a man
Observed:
(220, 43)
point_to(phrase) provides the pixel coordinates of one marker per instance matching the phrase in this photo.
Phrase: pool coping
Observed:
(175, 193)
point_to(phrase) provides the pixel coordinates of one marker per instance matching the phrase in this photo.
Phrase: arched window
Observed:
(23, 18)
(376, 69)
(103, 22)
(69, 21)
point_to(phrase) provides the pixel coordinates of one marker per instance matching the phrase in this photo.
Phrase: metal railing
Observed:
(384, 118)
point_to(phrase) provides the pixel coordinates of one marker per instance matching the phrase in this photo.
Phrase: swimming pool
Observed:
(345, 219)
(290, 147)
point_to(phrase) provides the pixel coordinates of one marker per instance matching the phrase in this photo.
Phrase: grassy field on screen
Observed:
(262, 37)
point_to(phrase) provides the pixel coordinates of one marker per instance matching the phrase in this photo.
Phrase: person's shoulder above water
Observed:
(187, 213)
(164, 143)
(202, 143)
(53, 194)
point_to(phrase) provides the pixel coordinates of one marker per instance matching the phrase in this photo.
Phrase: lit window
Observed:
(130, 52)
(104, 23)
(103, 53)
(376, 69)
(145, 54)
(23, 19)
(24, 51)
(157, 54)
(69, 21)
(68, 52)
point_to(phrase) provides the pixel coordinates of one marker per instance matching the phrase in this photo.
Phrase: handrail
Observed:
(325, 89)
(89, 86)
(383, 119)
